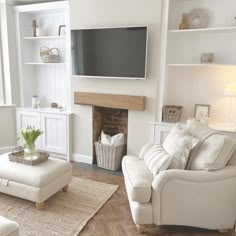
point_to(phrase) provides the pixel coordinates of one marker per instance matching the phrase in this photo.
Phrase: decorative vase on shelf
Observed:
(184, 25)
(29, 137)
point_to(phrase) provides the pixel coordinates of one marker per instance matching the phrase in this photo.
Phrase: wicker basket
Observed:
(109, 156)
(171, 113)
(49, 55)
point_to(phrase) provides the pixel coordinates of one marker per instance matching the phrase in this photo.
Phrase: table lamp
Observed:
(230, 91)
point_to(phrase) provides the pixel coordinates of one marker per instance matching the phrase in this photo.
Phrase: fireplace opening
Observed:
(112, 121)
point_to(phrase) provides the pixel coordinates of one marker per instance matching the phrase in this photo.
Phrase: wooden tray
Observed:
(18, 156)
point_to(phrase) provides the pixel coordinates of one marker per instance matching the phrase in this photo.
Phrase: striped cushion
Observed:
(157, 159)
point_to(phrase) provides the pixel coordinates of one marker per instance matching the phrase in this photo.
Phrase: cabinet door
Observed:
(162, 130)
(27, 118)
(54, 138)
(161, 133)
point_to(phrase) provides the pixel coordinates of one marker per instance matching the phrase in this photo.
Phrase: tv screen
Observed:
(109, 52)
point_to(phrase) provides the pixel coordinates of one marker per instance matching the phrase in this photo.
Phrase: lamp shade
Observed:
(230, 90)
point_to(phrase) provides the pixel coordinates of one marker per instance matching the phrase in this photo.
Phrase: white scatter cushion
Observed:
(214, 153)
(157, 159)
(116, 140)
(105, 139)
(144, 149)
(178, 144)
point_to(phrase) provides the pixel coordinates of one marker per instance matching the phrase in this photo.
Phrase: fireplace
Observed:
(110, 112)
(111, 120)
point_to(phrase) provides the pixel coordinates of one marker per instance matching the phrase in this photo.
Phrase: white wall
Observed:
(106, 13)
(7, 127)
(8, 42)
(7, 113)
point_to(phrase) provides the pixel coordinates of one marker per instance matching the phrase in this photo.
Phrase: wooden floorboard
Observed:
(114, 219)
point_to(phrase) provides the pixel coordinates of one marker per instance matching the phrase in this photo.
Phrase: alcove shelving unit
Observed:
(184, 80)
(49, 81)
(184, 47)
(181, 51)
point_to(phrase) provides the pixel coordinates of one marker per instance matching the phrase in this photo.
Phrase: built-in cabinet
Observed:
(56, 128)
(28, 118)
(49, 81)
(162, 129)
(185, 81)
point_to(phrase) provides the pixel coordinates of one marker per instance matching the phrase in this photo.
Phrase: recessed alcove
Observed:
(111, 120)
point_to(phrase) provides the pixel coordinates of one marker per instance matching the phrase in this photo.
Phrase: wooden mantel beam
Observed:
(110, 100)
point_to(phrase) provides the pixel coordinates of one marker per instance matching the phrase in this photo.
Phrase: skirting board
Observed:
(82, 158)
(5, 149)
(75, 157)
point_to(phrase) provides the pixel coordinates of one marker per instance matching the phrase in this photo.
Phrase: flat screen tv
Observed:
(109, 52)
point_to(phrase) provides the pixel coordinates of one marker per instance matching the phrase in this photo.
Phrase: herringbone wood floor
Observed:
(114, 219)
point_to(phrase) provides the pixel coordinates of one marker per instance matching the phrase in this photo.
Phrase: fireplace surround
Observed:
(110, 112)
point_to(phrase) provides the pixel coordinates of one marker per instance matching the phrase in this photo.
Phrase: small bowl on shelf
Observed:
(54, 105)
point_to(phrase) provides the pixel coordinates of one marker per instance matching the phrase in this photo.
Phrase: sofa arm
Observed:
(204, 199)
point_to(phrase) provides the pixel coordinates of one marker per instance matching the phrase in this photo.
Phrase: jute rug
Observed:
(65, 214)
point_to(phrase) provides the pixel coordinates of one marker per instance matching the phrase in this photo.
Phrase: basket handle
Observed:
(54, 49)
(45, 47)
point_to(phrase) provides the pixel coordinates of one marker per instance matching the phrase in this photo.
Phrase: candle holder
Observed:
(34, 26)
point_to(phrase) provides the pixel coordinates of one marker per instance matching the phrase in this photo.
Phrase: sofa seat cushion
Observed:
(8, 227)
(36, 176)
(138, 179)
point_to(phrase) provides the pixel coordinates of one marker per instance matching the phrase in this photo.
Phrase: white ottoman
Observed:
(8, 227)
(34, 183)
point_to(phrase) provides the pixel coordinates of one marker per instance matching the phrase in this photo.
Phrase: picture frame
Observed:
(61, 30)
(201, 111)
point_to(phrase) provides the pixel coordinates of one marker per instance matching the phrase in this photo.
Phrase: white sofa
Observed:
(205, 199)
(8, 227)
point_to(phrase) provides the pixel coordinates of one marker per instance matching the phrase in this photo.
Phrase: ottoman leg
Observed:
(40, 205)
(65, 189)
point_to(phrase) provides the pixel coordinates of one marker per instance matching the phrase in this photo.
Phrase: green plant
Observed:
(29, 136)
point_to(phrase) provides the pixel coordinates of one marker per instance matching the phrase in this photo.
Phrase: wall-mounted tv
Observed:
(110, 52)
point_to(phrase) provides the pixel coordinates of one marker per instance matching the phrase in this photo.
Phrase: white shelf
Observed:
(217, 29)
(201, 65)
(46, 110)
(41, 63)
(44, 38)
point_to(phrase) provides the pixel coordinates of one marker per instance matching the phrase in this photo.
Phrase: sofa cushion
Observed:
(232, 160)
(36, 176)
(157, 159)
(213, 151)
(178, 144)
(138, 179)
(8, 227)
(144, 149)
